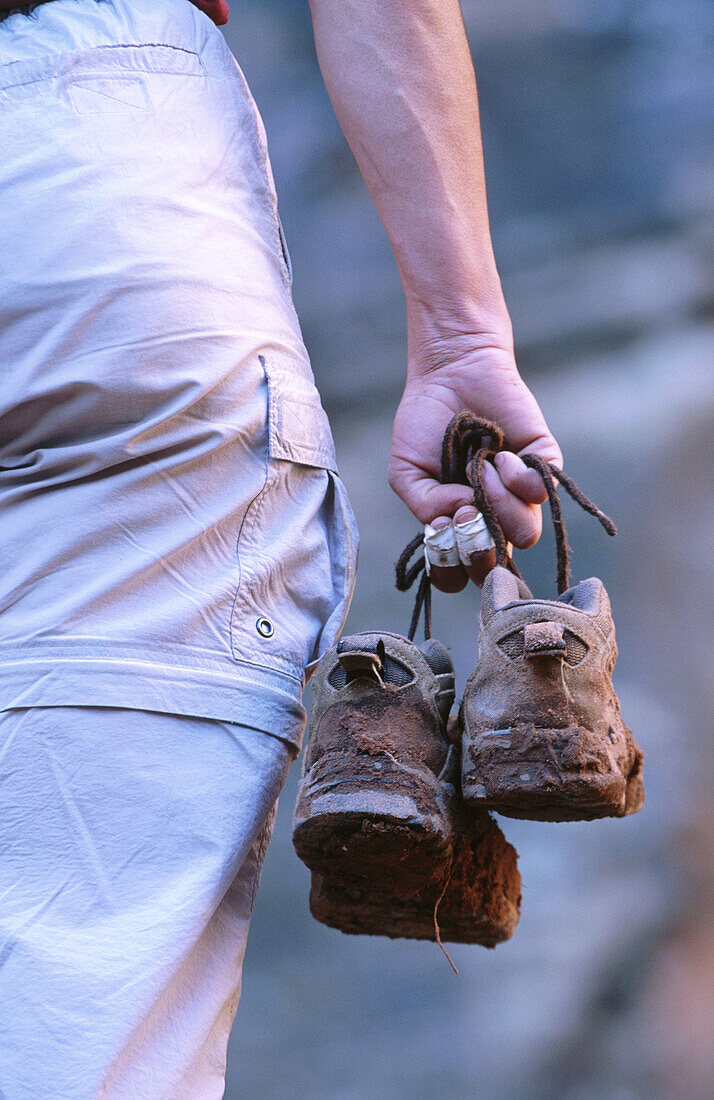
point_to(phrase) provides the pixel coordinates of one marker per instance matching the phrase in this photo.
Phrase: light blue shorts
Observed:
(177, 546)
(175, 536)
(130, 851)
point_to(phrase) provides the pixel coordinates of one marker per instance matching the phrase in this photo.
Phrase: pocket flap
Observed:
(298, 424)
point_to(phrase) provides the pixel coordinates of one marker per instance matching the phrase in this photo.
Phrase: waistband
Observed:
(32, 48)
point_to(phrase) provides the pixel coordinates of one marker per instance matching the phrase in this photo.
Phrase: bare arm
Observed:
(400, 77)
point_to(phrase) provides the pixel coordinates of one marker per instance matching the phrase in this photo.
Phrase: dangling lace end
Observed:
(423, 599)
(584, 502)
(550, 475)
(406, 575)
(427, 607)
(546, 471)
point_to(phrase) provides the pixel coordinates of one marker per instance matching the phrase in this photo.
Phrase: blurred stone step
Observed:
(616, 289)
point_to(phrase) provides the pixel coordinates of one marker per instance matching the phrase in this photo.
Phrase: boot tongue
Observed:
(500, 589)
(437, 656)
(355, 654)
(586, 596)
(590, 596)
(439, 660)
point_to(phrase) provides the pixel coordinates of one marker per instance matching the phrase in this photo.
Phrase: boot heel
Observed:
(543, 774)
(361, 817)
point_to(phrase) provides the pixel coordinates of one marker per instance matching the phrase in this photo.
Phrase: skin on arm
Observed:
(400, 77)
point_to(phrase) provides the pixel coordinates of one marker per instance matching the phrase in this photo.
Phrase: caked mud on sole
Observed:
(546, 774)
(374, 821)
(477, 901)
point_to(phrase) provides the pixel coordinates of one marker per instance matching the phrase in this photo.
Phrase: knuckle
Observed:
(552, 453)
(394, 479)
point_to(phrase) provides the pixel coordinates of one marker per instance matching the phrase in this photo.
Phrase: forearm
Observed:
(400, 77)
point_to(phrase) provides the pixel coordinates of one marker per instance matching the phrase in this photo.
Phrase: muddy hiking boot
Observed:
(476, 900)
(376, 799)
(542, 734)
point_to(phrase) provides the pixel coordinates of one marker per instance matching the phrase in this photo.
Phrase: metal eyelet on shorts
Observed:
(264, 627)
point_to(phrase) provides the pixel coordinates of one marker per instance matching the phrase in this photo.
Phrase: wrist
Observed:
(471, 334)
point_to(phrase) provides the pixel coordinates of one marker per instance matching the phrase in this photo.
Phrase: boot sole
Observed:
(480, 904)
(546, 774)
(365, 818)
(382, 914)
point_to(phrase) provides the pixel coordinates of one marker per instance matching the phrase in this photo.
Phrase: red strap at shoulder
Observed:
(217, 10)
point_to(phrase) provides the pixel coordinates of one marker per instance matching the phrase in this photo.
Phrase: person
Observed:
(178, 548)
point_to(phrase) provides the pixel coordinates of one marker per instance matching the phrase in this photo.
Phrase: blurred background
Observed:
(600, 163)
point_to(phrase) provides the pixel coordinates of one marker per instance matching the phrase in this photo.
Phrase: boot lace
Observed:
(469, 443)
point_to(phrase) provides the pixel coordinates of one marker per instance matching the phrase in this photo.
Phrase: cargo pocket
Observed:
(297, 549)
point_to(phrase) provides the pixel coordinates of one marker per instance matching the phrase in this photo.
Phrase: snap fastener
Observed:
(264, 627)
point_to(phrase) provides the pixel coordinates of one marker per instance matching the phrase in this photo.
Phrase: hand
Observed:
(485, 381)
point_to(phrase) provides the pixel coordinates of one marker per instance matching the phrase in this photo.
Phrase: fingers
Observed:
(514, 482)
(521, 520)
(546, 447)
(519, 479)
(458, 550)
(442, 556)
(477, 554)
(427, 498)
(462, 549)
